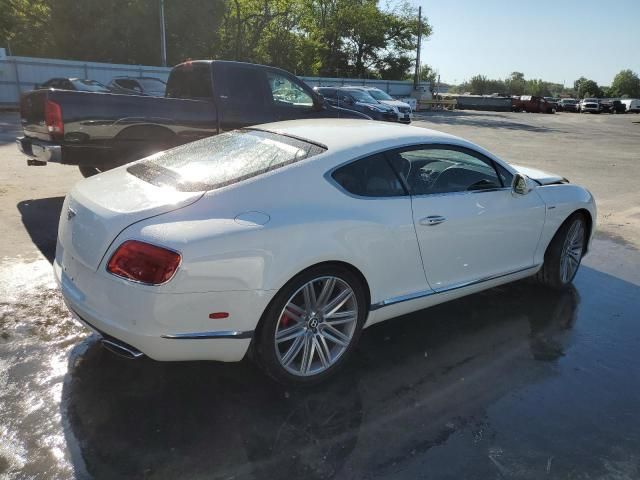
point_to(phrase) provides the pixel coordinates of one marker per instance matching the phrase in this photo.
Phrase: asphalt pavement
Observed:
(515, 382)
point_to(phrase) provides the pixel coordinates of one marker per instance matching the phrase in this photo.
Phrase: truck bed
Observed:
(113, 128)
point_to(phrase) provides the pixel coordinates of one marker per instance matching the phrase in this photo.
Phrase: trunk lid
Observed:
(32, 114)
(99, 208)
(543, 178)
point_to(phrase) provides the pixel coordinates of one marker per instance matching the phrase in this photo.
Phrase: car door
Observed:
(469, 224)
(383, 230)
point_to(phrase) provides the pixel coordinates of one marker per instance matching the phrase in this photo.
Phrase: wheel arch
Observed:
(587, 215)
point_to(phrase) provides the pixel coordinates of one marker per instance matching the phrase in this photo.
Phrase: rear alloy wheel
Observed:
(564, 254)
(312, 325)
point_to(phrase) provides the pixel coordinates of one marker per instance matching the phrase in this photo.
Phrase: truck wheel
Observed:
(88, 170)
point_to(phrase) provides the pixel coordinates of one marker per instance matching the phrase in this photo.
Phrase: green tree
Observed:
(478, 85)
(23, 26)
(516, 84)
(625, 83)
(586, 88)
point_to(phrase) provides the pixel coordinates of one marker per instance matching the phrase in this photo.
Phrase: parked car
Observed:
(359, 101)
(568, 105)
(606, 105)
(138, 86)
(402, 109)
(99, 131)
(77, 84)
(287, 239)
(532, 104)
(632, 105)
(590, 105)
(618, 107)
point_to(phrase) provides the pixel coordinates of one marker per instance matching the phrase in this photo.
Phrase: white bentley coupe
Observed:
(287, 239)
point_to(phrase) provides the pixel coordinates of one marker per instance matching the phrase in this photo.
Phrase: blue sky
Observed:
(557, 41)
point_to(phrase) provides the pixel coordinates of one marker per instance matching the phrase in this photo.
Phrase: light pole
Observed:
(416, 76)
(163, 36)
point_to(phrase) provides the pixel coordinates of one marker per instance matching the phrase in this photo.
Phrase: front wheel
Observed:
(312, 325)
(564, 253)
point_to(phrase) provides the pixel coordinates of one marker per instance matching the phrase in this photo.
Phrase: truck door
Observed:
(289, 99)
(242, 94)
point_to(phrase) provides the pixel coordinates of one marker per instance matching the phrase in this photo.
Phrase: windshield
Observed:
(89, 86)
(571, 102)
(379, 94)
(223, 160)
(362, 97)
(590, 99)
(151, 84)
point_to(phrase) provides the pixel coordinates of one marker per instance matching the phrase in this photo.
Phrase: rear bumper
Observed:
(164, 327)
(39, 151)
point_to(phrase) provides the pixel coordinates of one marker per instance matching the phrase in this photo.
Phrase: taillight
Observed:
(53, 119)
(143, 262)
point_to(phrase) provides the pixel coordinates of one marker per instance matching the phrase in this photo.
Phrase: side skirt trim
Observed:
(426, 293)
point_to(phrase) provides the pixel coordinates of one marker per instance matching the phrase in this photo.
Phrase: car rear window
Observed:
(222, 160)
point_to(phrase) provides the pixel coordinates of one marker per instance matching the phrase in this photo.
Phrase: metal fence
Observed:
(21, 74)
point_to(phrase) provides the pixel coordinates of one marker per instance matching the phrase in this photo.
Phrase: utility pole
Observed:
(163, 36)
(416, 76)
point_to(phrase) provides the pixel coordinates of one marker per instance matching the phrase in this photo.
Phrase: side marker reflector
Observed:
(218, 315)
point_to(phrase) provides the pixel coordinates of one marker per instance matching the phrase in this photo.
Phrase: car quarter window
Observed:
(369, 177)
(505, 175)
(285, 92)
(437, 170)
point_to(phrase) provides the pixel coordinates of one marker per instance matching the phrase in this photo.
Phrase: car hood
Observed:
(395, 103)
(378, 106)
(543, 178)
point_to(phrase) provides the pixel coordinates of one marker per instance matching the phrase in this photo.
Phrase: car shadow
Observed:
(40, 218)
(483, 120)
(147, 419)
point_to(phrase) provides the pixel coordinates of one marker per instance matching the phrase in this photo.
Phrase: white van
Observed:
(633, 105)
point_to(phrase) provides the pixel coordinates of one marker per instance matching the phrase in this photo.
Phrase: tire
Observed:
(296, 358)
(560, 265)
(88, 171)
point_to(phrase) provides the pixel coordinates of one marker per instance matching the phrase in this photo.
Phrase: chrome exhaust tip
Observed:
(121, 349)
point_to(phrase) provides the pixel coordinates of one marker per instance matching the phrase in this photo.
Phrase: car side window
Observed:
(437, 170)
(285, 92)
(369, 177)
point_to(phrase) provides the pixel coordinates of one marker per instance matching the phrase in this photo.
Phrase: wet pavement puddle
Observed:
(515, 382)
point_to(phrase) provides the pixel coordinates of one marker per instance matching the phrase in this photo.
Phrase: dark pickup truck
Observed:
(99, 131)
(532, 104)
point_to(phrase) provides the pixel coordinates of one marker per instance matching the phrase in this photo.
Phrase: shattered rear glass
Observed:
(222, 160)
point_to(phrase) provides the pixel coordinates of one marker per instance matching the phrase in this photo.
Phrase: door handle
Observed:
(432, 220)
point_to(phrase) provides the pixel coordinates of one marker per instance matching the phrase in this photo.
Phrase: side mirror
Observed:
(520, 185)
(346, 100)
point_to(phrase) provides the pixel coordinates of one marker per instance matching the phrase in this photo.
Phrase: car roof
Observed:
(347, 134)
